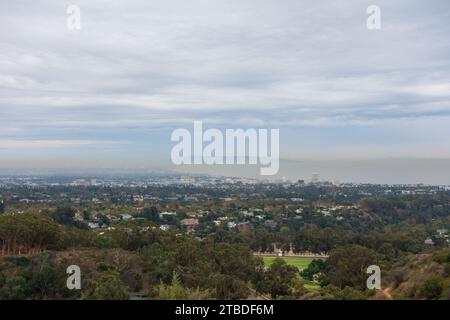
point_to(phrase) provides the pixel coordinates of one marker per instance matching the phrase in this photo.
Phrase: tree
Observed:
(347, 266)
(45, 282)
(315, 267)
(162, 262)
(110, 287)
(302, 241)
(103, 219)
(280, 280)
(27, 233)
(64, 215)
(331, 292)
(432, 288)
(176, 291)
(151, 214)
(86, 215)
(229, 287)
(2, 207)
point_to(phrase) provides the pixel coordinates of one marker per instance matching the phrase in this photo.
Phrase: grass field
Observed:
(299, 262)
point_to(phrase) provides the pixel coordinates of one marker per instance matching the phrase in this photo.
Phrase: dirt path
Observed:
(387, 293)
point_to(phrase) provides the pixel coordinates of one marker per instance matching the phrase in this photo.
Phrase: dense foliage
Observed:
(137, 258)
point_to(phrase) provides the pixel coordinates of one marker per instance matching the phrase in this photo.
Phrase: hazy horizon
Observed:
(377, 171)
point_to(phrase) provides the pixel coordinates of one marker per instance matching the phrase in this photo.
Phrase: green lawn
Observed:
(299, 262)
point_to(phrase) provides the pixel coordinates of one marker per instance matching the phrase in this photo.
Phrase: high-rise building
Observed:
(315, 178)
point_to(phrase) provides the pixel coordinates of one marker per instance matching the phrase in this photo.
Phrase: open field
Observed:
(299, 262)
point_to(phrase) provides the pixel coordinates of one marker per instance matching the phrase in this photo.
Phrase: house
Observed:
(195, 214)
(231, 224)
(113, 218)
(125, 217)
(165, 213)
(246, 213)
(189, 222)
(164, 227)
(325, 213)
(429, 242)
(93, 225)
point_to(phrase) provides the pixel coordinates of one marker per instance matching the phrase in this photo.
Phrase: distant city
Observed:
(147, 180)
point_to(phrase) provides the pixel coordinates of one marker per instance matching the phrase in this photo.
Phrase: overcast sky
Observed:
(138, 69)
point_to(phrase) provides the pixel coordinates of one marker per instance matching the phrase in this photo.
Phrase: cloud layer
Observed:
(138, 69)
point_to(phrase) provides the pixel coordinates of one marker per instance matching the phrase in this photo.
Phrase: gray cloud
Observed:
(137, 66)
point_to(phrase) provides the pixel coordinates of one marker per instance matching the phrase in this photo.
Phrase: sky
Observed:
(137, 69)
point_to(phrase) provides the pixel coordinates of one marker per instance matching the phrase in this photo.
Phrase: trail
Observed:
(387, 293)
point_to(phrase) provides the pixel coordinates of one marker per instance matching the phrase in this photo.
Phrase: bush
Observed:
(15, 288)
(397, 277)
(229, 287)
(447, 269)
(432, 288)
(442, 256)
(176, 291)
(109, 287)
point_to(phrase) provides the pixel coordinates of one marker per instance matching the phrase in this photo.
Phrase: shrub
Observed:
(431, 288)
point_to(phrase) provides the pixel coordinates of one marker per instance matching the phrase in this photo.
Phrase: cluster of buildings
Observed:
(440, 235)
